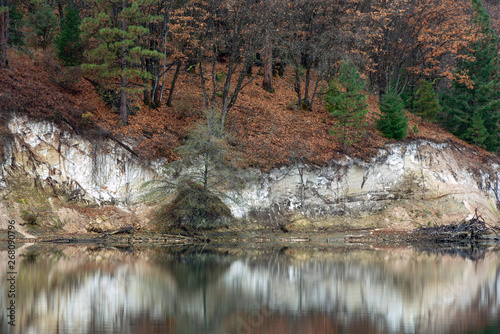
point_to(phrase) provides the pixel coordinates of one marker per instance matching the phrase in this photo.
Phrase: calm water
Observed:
(251, 289)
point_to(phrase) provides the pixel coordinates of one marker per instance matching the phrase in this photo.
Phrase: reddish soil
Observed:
(266, 127)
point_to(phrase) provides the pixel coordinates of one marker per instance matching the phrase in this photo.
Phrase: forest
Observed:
(354, 69)
(217, 86)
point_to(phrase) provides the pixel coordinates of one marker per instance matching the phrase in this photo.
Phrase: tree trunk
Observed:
(61, 14)
(345, 135)
(204, 88)
(174, 80)
(297, 86)
(267, 82)
(306, 104)
(4, 31)
(165, 27)
(123, 102)
(123, 95)
(148, 91)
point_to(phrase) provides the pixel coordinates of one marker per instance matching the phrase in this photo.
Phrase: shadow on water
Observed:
(470, 251)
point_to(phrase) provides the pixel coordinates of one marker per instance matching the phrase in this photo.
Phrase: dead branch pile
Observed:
(466, 231)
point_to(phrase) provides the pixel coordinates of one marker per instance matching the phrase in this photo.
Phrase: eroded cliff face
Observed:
(97, 171)
(405, 181)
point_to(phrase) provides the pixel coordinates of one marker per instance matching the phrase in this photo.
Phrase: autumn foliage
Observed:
(199, 55)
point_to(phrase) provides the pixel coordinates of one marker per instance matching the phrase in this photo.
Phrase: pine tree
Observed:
(426, 104)
(201, 177)
(393, 122)
(473, 105)
(16, 23)
(43, 22)
(116, 32)
(68, 43)
(476, 132)
(347, 104)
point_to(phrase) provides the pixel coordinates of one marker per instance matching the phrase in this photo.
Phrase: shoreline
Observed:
(374, 237)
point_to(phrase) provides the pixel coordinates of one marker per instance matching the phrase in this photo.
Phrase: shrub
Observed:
(68, 78)
(30, 218)
(193, 208)
(200, 178)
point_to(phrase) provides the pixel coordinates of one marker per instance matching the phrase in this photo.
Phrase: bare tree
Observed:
(4, 31)
(233, 37)
(409, 40)
(313, 35)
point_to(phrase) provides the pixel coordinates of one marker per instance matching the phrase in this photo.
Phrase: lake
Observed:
(251, 288)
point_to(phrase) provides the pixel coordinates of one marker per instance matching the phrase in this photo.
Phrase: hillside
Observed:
(428, 173)
(266, 127)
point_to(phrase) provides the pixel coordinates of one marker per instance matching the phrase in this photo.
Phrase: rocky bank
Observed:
(405, 184)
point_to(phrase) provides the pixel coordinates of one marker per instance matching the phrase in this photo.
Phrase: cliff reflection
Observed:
(287, 290)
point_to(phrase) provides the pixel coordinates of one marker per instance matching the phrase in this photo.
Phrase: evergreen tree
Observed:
(42, 21)
(347, 104)
(472, 106)
(201, 177)
(16, 22)
(426, 104)
(116, 32)
(393, 122)
(69, 44)
(476, 133)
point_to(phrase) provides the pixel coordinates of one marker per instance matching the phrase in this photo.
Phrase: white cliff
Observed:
(102, 171)
(425, 172)
(99, 171)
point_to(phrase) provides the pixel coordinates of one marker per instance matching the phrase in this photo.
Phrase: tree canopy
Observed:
(116, 34)
(472, 103)
(130, 48)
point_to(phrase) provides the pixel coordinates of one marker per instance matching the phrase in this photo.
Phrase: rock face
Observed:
(433, 175)
(413, 180)
(99, 171)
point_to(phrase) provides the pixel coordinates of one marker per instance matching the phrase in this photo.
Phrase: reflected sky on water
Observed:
(247, 289)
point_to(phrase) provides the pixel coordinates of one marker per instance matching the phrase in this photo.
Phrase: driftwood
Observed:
(126, 229)
(466, 231)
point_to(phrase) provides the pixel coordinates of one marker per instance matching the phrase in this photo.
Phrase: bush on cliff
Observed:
(204, 174)
(193, 209)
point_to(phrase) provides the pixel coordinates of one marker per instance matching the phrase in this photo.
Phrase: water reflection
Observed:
(267, 290)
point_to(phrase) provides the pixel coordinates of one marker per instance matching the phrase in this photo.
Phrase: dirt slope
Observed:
(266, 127)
